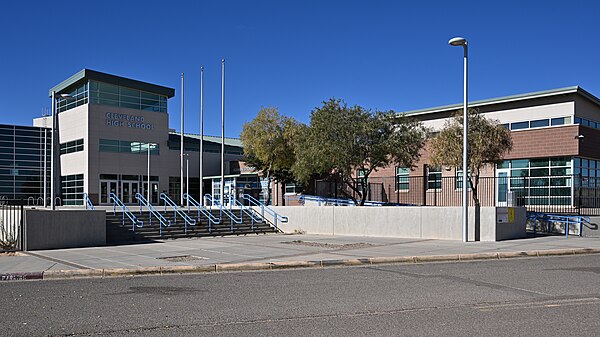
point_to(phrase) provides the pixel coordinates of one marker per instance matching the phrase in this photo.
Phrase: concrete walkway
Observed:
(271, 251)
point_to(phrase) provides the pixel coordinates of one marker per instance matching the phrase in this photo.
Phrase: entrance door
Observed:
(107, 187)
(129, 189)
(153, 192)
(502, 188)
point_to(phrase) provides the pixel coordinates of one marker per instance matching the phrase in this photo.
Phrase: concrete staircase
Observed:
(117, 233)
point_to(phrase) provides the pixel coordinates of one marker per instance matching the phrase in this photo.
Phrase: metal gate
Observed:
(11, 225)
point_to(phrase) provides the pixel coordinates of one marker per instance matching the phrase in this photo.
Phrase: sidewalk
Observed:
(272, 251)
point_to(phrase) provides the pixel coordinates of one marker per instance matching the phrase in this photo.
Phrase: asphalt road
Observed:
(554, 296)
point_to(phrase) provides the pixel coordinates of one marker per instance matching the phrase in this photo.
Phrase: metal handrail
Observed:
(263, 208)
(549, 219)
(322, 201)
(88, 202)
(161, 219)
(176, 210)
(254, 216)
(202, 210)
(135, 222)
(215, 202)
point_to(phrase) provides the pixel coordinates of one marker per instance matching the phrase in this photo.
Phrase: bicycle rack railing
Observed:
(88, 202)
(254, 216)
(161, 219)
(32, 199)
(265, 209)
(223, 210)
(202, 210)
(135, 222)
(177, 211)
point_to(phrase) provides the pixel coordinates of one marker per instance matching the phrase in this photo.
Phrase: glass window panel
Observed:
(558, 171)
(541, 162)
(539, 123)
(558, 121)
(130, 92)
(108, 88)
(519, 125)
(519, 173)
(561, 161)
(520, 163)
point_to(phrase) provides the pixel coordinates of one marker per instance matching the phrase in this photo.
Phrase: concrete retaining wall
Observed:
(403, 222)
(44, 229)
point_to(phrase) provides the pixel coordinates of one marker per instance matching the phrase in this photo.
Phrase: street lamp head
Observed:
(458, 41)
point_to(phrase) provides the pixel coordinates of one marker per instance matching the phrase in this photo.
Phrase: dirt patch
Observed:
(181, 258)
(330, 245)
(12, 254)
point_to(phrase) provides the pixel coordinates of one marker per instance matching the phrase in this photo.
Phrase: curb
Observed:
(237, 267)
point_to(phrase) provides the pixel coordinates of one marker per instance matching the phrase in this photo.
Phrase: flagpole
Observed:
(181, 149)
(222, 131)
(201, 196)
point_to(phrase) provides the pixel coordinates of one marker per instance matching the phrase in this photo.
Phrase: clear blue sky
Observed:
(388, 55)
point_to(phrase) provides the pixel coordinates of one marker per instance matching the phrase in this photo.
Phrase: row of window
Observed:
(114, 95)
(538, 123)
(78, 96)
(124, 146)
(72, 146)
(72, 189)
(587, 122)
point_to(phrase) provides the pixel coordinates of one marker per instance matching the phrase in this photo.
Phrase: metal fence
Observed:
(11, 225)
(565, 194)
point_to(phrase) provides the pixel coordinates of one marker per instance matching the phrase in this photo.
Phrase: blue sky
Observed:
(387, 55)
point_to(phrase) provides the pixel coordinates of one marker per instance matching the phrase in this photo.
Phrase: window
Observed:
(114, 95)
(124, 146)
(458, 179)
(78, 96)
(360, 177)
(402, 178)
(542, 181)
(434, 177)
(539, 123)
(72, 189)
(72, 146)
(519, 125)
(293, 188)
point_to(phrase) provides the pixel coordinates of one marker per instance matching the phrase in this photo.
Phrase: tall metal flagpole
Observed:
(222, 131)
(181, 150)
(201, 135)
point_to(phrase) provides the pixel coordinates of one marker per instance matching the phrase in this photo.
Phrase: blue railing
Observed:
(153, 212)
(135, 222)
(265, 209)
(223, 210)
(202, 210)
(88, 202)
(177, 211)
(254, 216)
(549, 220)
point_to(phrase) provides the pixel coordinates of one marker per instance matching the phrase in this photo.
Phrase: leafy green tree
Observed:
(488, 142)
(342, 140)
(268, 146)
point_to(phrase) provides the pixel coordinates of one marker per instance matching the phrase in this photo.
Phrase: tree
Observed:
(267, 142)
(488, 142)
(342, 140)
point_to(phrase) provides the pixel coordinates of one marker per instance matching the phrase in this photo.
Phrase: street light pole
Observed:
(148, 177)
(53, 149)
(460, 41)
